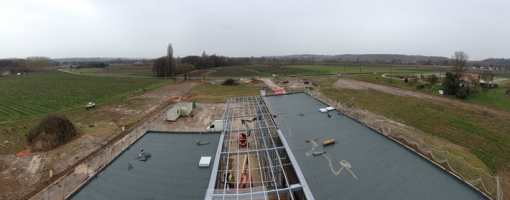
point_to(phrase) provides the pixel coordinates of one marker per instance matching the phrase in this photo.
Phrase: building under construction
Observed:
(275, 147)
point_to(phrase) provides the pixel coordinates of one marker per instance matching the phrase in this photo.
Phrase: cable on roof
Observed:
(201, 143)
(317, 153)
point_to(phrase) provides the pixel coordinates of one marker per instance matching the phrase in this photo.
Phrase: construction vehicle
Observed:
(243, 136)
(242, 140)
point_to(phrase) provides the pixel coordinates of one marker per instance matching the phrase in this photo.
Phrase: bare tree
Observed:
(487, 76)
(459, 63)
(170, 59)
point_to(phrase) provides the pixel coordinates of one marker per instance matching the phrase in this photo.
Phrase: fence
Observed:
(477, 177)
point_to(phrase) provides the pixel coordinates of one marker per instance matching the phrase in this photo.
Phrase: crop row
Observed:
(36, 94)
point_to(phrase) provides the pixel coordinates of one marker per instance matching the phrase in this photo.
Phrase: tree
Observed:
(459, 63)
(487, 76)
(160, 68)
(432, 79)
(170, 59)
(450, 84)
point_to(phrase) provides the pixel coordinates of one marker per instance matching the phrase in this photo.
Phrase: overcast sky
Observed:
(143, 29)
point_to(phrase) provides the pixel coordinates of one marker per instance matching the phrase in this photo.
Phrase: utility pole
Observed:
(359, 67)
(390, 72)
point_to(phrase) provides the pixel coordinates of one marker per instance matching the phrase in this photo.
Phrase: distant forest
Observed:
(16, 65)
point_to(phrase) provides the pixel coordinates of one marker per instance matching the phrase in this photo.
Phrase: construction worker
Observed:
(229, 179)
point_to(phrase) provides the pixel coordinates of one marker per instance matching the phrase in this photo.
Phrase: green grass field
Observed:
(217, 93)
(115, 70)
(485, 136)
(495, 97)
(353, 70)
(37, 94)
(263, 70)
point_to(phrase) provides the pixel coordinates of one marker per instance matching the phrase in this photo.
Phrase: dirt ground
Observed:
(22, 175)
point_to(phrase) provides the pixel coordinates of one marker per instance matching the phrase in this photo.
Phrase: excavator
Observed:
(243, 136)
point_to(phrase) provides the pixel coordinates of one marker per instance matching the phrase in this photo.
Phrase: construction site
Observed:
(289, 146)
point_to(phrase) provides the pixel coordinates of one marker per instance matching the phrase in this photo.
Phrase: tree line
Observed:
(167, 66)
(91, 65)
(16, 65)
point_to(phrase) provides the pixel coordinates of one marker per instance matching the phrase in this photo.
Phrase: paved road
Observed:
(271, 85)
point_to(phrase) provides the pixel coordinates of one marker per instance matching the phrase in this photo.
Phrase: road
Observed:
(271, 85)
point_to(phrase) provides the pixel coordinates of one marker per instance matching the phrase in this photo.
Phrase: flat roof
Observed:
(368, 164)
(171, 172)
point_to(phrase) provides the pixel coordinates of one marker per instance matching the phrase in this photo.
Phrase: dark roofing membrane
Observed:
(384, 168)
(171, 173)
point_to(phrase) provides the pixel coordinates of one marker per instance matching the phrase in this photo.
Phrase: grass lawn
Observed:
(217, 93)
(484, 135)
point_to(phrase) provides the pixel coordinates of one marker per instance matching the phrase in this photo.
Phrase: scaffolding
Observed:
(255, 155)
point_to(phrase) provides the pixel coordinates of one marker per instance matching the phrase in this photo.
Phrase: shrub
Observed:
(57, 130)
(432, 79)
(463, 93)
(406, 80)
(422, 86)
(230, 82)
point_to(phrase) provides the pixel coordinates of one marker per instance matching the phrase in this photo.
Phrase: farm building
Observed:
(271, 148)
(470, 79)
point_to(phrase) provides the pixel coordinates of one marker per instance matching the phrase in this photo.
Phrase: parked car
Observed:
(90, 105)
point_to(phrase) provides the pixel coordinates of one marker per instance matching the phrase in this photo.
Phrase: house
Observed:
(470, 79)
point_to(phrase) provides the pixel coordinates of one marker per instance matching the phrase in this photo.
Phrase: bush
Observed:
(230, 82)
(432, 79)
(463, 93)
(406, 80)
(57, 130)
(422, 86)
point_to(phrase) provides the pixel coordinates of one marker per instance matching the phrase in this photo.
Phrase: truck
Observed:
(217, 125)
